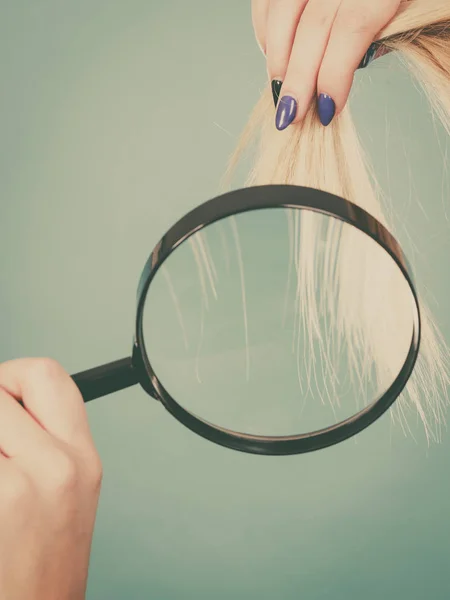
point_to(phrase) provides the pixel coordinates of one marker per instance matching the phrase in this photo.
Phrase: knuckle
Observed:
(46, 368)
(62, 473)
(94, 472)
(354, 20)
(317, 16)
(15, 489)
(319, 19)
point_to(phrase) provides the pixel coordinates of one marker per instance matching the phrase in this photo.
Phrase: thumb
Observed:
(260, 13)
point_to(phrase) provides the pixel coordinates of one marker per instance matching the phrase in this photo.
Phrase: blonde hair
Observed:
(332, 159)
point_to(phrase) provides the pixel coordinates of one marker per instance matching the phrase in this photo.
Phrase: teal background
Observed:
(115, 119)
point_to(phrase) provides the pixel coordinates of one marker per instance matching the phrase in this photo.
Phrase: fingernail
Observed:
(375, 51)
(369, 56)
(286, 111)
(327, 109)
(276, 88)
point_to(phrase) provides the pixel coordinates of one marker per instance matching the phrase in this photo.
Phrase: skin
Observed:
(51, 476)
(315, 46)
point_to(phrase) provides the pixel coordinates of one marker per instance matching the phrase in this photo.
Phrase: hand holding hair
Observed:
(50, 482)
(315, 47)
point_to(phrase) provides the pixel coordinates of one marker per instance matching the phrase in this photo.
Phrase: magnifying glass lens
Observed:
(243, 332)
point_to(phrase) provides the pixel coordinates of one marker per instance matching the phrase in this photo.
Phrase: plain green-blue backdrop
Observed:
(115, 119)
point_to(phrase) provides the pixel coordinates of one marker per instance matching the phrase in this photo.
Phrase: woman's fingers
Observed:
(21, 437)
(282, 21)
(322, 42)
(33, 451)
(50, 483)
(356, 26)
(50, 396)
(311, 39)
(260, 10)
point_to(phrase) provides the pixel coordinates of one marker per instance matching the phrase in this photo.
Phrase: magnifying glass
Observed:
(220, 337)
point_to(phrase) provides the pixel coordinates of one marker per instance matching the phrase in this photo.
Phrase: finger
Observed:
(260, 9)
(20, 435)
(282, 22)
(38, 455)
(356, 26)
(309, 47)
(50, 396)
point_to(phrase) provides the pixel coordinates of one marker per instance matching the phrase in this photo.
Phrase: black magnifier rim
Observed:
(266, 197)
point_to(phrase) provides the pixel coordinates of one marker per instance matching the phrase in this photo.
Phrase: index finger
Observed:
(355, 28)
(50, 395)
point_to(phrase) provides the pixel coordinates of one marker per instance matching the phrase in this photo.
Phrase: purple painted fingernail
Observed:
(286, 111)
(327, 109)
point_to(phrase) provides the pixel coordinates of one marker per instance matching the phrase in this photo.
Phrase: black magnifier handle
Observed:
(106, 379)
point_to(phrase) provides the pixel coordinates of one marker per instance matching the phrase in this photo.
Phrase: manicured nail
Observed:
(276, 88)
(286, 111)
(327, 109)
(369, 56)
(375, 51)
